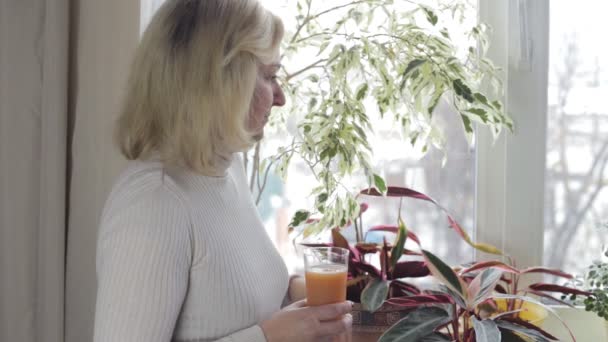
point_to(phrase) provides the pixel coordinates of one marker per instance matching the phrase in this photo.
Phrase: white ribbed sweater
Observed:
(184, 257)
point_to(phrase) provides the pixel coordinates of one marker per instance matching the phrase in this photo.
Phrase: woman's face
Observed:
(267, 93)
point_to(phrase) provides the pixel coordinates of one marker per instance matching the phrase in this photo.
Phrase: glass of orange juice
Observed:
(326, 272)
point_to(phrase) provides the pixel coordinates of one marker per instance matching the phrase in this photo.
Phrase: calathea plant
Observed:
(482, 301)
(370, 60)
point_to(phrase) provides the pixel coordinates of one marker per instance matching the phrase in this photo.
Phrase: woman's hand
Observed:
(299, 323)
(297, 288)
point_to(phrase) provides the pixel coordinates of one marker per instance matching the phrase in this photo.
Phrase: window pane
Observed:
(576, 201)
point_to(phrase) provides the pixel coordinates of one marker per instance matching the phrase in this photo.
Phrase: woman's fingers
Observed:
(336, 326)
(296, 305)
(331, 311)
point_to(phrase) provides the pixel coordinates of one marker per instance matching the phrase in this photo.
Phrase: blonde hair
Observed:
(193, 79)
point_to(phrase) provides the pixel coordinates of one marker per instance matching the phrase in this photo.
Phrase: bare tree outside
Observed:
(576, 201)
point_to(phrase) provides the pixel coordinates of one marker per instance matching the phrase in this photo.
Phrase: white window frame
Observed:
(511, 171)
(510, 184)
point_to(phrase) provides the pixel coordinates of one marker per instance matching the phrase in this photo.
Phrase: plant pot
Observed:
(369, 326)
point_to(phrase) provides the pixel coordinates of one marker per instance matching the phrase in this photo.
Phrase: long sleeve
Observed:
(143, 262)
(184, 258)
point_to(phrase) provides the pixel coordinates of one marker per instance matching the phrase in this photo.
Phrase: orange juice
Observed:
(325, 284)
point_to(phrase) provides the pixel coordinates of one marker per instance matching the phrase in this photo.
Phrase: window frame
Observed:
(511, 171)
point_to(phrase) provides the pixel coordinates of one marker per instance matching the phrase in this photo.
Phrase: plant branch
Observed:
(310, 66)
(255, 167)
(310, 18)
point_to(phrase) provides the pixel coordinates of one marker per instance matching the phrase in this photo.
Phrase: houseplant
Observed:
(479, 302)
(396, 58)
(596, 281)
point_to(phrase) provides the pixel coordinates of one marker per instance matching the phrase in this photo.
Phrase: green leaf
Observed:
(467, 123)
(380, 184)
(322, 198)
(323, 47)
(312, 103)
(482, 286)
(497, 105)
(399, 244)
(479, 112)
(362, 91)
(486, 330)
(444, 273)
(535, 335)
(430, 16)
(436, 98)
(374, 294)
(481, 98)
(414, 138)
(413, 65)
(299, 217)
(416, 325)
(457, 297)
(510, 336)
(461, 89)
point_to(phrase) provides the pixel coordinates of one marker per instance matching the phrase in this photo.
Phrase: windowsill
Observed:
(586, 326)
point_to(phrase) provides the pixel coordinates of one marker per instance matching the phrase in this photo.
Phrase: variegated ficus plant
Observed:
(482, 302)
(348, 65)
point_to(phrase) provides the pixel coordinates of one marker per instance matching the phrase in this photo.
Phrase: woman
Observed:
(182, 254)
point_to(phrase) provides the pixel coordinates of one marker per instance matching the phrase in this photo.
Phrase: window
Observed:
(576, 199)
(452, 185)
(540, 190)
(541, 185)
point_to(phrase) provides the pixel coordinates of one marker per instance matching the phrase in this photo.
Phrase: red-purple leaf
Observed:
(394, 229)
(410, 252)
(316, 244)
(408, 288)
(490, 264)
(515, 324)
(393, 191)
(482, 286)
(384, 262)
(500, 289)
(418, 300)
(554, 272)
(544, 295)
(363, 208)
(445, 274)
(365, 267)
(366, 248)
(534, 301)
(558, 288)
(410, 269)
(413, 237)
(385, 228)
(340, 241)
(506, 280)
